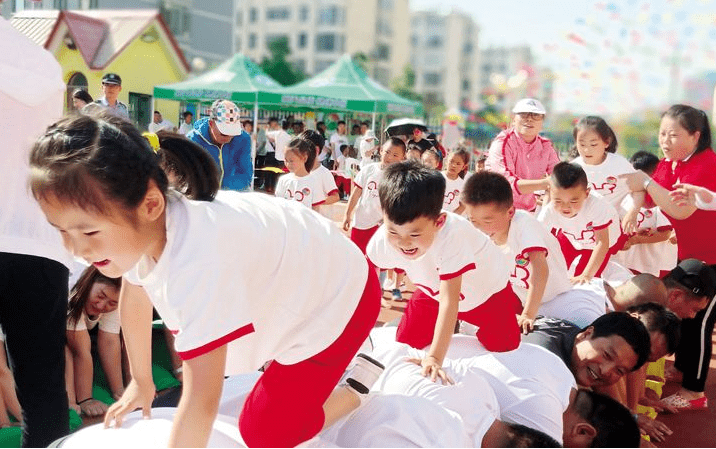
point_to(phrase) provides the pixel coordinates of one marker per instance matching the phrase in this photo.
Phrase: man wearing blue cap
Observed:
(111, 87)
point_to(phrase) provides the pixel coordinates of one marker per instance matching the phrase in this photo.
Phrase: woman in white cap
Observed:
(368, 148)
(523, 156)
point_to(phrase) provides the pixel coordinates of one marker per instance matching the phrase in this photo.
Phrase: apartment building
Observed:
(445, 58)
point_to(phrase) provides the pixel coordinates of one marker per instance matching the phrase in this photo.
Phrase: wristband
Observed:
(85, 400)
(646, 183)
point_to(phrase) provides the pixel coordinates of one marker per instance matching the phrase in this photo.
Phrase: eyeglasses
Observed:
(532, 115)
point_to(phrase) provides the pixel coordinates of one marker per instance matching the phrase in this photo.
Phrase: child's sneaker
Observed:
(364, 373)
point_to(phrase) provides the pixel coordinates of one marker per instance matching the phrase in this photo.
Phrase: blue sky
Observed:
(610, 57)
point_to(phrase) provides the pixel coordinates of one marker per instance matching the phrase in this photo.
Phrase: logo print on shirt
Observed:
(298, 195)
(522, 263)
(586, 235)
(451, 196)
(372, 188)
(610, 184)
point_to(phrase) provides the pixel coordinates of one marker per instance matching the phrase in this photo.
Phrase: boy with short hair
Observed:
(364, 195)
(539, 271)
(585, 224)
(459, 273)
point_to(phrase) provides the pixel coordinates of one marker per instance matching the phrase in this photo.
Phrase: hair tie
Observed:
(152, 139)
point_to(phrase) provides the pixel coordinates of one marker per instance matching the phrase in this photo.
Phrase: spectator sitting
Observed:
(160, 123)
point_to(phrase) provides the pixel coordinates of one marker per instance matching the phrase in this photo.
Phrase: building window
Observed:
(178, 19)
(238, 44)
(382, 52)
(271, 38)
(434, 42)
(383, 27)
(329, 42)
(252, 40)
(467, 48)
(303, 13)
(239, 18)
(386, 5)
(331, 15)
(382, 76)
(414, 40)
(465, 84)
(322, 65)
(299, 65)
(432, 78)
(253, 15)
(278, 14)
(302, 40)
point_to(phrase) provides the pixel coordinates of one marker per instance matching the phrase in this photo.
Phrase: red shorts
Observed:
(496, 318)
(571, 253)
(285, 407)
(361, 237)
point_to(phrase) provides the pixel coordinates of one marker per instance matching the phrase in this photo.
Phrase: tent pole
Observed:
(253, 143)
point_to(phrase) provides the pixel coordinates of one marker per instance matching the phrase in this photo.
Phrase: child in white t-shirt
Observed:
(648, 250)
(458, 272)
(299, 185)
(348, 168)
(196, 262)
(539, 271)
(431, 159)
(457, 163)
(363, 214)
(9, 404)
(597, 146)
(94, 300)
(326, 180)
(586, 225)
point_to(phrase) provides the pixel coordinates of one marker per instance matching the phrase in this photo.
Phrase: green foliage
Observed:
(361, 59)
(278, 66)
(404, 85)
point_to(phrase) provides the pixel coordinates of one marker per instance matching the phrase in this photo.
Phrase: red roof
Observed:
(99, 34)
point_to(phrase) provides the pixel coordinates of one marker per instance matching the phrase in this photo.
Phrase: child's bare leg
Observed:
(340, 403)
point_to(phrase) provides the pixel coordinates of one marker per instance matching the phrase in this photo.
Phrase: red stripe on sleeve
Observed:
(465, 269)
(535, 248)
(228, 338)
(596, 228)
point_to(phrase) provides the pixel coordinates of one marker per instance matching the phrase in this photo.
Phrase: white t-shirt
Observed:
(649, 258)
(458, 249)
(163, 125)
(596, 213)
(532, 385)
(326, 181)
(282, 138)
(233, 271)
(108, 322)
(603, 178)
(337, 140)
(453, 188)
(581, 305)
(307, 190)
(367, 212)
(185, 127)
(347, 167)
(526, 235)
(364, 147)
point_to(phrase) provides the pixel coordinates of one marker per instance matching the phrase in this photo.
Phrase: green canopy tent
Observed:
(237, 79)
(345, 87)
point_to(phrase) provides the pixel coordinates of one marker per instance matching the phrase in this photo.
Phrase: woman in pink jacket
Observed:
(523, 156)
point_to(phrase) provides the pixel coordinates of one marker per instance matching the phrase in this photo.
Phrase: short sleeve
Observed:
(110, 322)
(362, 177)
(457, 254)
(280, 191)
(603, 213)
(210, 304)
(328, 183)
(380, 253)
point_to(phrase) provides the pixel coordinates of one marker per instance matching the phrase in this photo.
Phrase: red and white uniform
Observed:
(209, 289)
(453, 188)
(367, 213)
(516, 159)
(325, 180)
(307, 190)
(603, 179)
(527, 235)
(459, 249)
(652, 258)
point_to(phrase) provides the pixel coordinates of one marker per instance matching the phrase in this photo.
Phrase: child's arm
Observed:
(199, 404)
(135, 310)
(537, 282)
(650, 237)
(595, 260)
(109, 347)
(460, 209)
(7, 385)
(444, 327)
(356, 192)
(629, 222)
(332, 198)
(79, 345)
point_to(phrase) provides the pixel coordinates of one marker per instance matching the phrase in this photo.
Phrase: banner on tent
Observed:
(202, 93)
(310, 100)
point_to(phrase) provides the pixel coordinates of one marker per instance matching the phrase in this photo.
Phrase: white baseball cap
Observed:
(529, 105)
(227, 117)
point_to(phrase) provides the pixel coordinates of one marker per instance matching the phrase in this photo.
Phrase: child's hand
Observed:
(346, 224)
(655, 429)
(526, 323)
(432, 369)
(630, 222)
(581, 279)
(672, 238)
(135, 396)
(93, 407)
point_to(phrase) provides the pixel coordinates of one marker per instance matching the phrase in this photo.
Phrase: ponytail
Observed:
(190, 168)
(692, 120)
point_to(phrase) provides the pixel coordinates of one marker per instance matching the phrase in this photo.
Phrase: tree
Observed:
(361, 59)
(404, 85)
(278, 66)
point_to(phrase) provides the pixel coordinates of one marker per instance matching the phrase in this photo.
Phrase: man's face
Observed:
(273, 124)
(601, 361)
(414, 238)
(217, 136)
(683, 306)
(188, 118)
(111, 91)
(157, 117)
(341, 128)
(528, 125)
